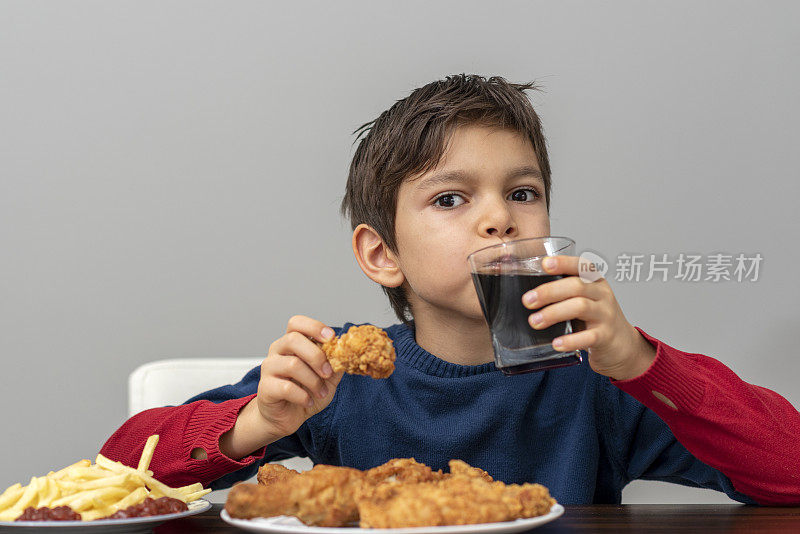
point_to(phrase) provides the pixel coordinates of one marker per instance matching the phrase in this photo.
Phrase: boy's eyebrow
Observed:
(462, 176)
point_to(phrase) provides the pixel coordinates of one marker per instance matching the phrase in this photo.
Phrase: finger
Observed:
(309, 327)
(290, 366)
(564, 288)
(567, 265)
(577, 341)
(574, 308)
(281, 389)
(297, 344)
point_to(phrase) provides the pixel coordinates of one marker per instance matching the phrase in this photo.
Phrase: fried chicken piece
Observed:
(462, 468)
(270, 473)
(464, 497)
(403, 470)
(448, 503)
(322, 496)
(362, 350)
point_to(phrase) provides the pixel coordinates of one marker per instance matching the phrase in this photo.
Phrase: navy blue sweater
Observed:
(569, 429)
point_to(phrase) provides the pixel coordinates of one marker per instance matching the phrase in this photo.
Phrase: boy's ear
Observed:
(374, 257)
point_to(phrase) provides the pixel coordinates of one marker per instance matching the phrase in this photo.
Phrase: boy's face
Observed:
(486, 189)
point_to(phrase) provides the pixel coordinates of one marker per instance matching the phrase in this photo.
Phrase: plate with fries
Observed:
(115, 526)
(97, 491)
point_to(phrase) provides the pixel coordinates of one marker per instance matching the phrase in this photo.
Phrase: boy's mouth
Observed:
(500, 241)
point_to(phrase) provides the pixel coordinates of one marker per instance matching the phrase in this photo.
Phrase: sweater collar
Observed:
(415, 356)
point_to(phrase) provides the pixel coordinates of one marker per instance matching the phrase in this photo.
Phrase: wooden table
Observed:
(661, 518)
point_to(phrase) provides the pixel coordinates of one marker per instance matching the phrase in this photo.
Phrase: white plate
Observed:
(291, 525)
(112, 526)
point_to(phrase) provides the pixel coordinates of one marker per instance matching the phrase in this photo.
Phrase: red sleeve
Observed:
(181, 429)
(749, 433)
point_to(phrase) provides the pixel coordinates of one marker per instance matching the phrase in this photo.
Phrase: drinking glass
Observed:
(502, 274)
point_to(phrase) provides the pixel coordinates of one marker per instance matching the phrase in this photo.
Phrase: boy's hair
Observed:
(410, 138)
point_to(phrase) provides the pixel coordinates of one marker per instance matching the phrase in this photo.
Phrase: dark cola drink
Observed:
(518, 347)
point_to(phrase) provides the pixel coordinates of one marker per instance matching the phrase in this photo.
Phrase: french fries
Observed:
(94, 490)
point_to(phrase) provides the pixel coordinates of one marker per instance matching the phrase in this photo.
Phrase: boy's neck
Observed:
(462, 341)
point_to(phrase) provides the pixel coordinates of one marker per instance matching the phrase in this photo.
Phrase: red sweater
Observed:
(749, 433)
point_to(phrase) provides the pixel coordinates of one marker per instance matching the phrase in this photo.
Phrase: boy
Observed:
(458, 165)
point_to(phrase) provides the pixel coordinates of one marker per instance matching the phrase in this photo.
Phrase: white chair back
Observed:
(173, 382)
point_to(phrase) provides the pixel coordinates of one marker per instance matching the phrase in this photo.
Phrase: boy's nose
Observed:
(499, 232)
(498, 223)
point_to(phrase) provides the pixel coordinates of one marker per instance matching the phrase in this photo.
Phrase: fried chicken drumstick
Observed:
(467, 496)
(323, 496)
(362, 350)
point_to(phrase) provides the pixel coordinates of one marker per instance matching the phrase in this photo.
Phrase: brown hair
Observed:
(410, 138)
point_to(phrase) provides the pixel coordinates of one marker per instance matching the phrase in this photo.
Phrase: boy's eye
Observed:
(448, 200)
(524, 195)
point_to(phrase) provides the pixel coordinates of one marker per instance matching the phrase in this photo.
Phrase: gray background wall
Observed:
(170, 174)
